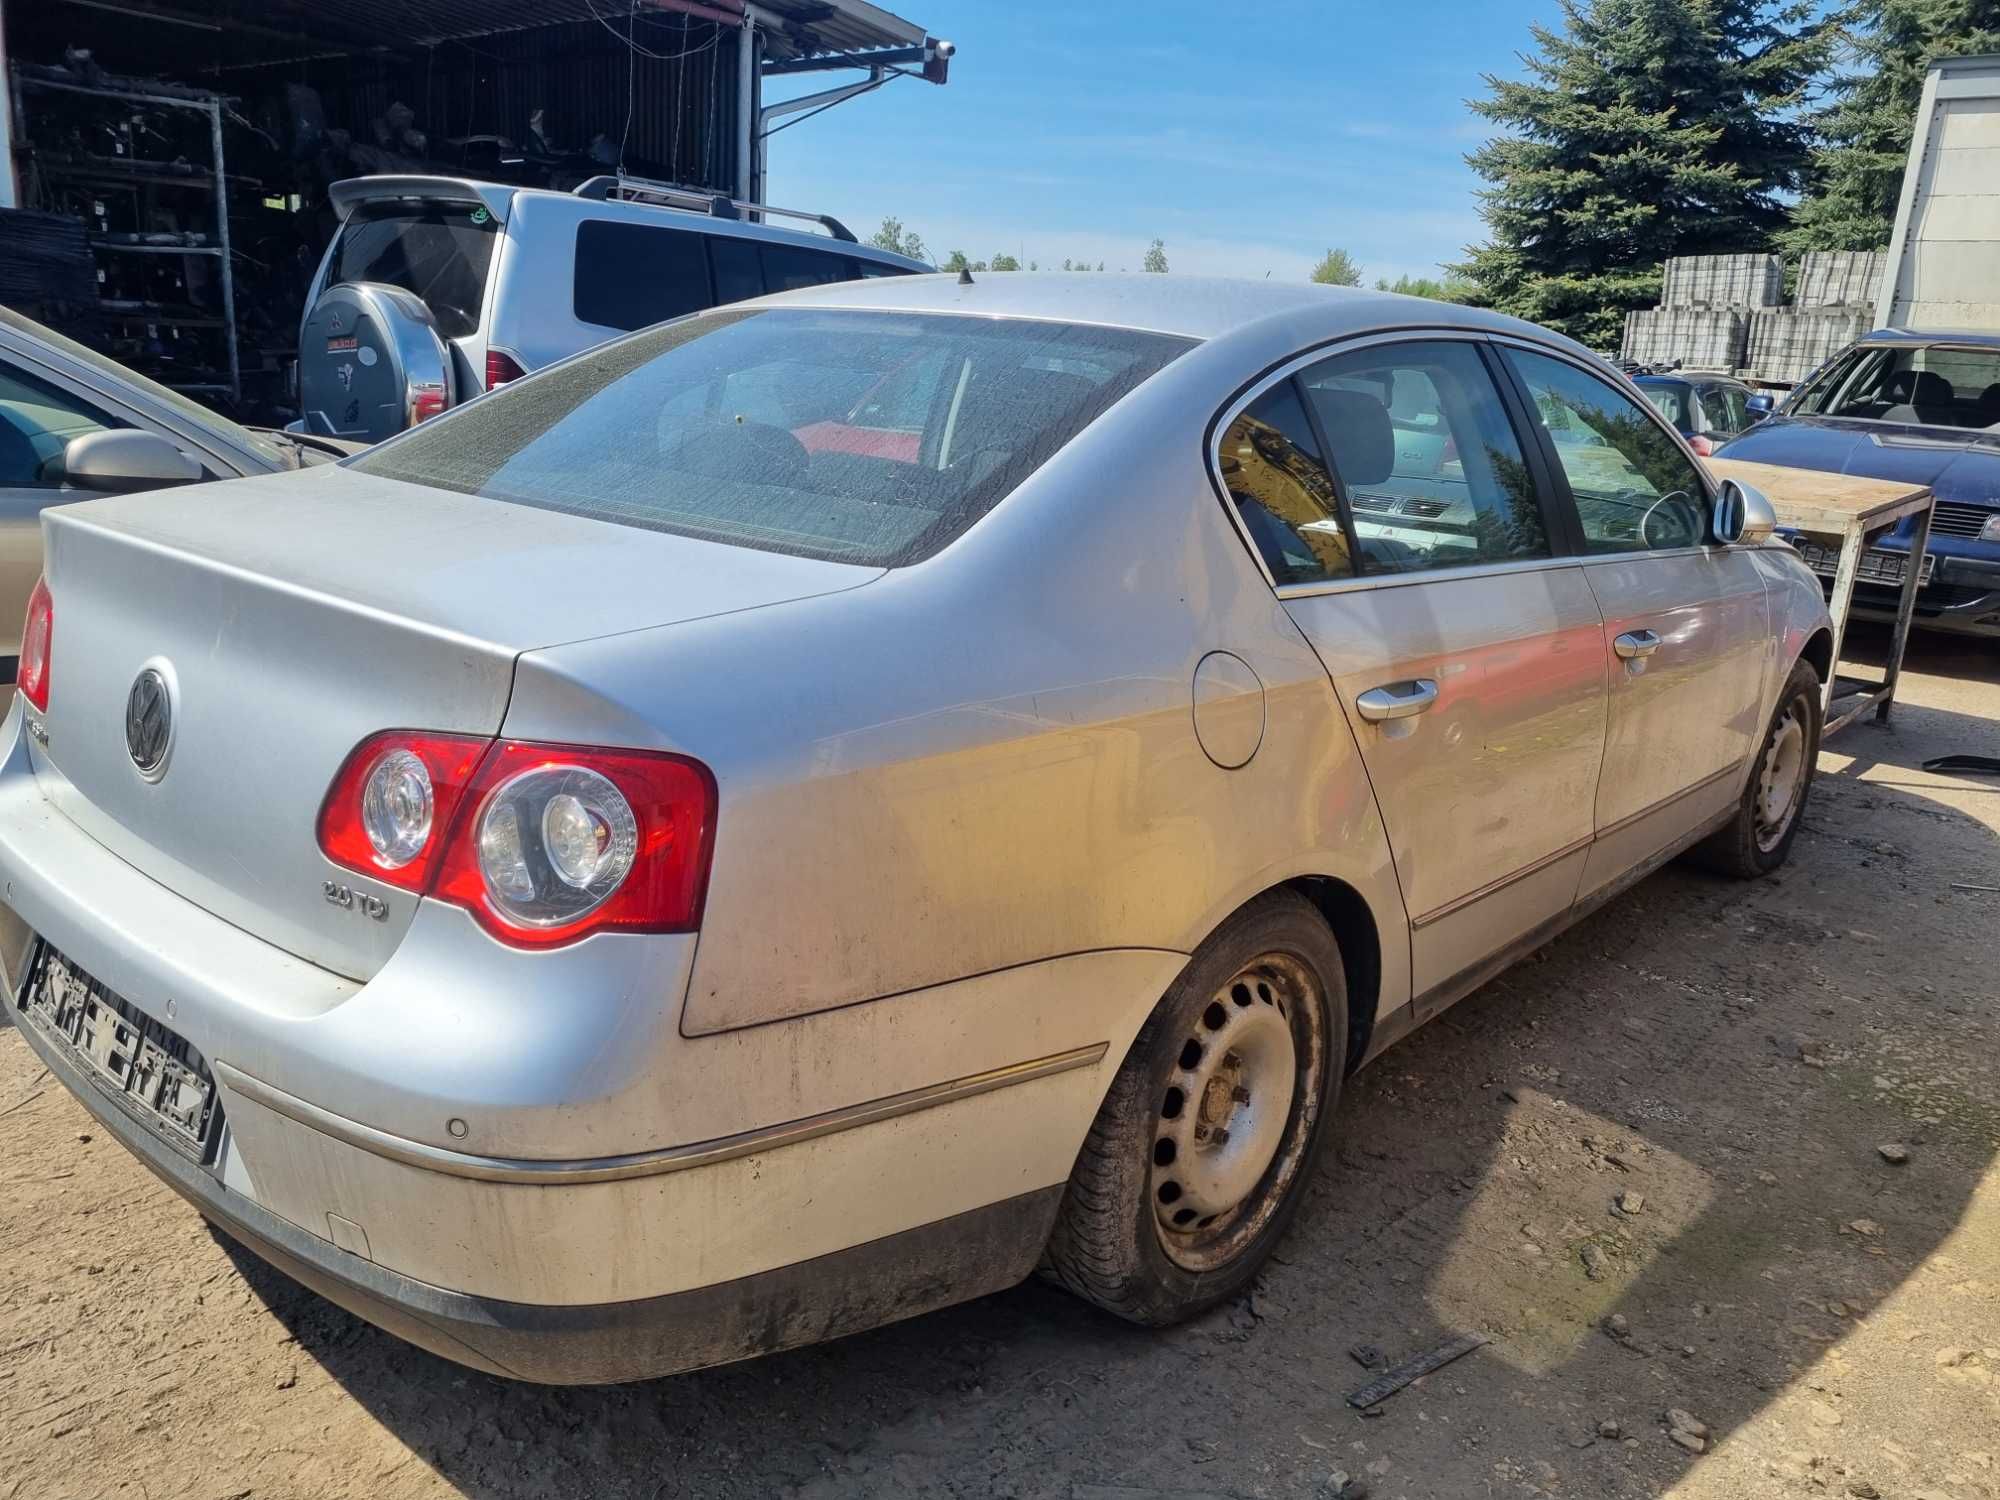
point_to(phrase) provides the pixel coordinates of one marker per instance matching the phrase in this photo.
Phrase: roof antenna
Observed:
(965, 276)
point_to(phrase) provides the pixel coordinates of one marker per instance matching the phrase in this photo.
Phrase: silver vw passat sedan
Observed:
(809, 812)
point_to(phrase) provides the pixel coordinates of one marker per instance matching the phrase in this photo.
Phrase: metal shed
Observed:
(193, 141)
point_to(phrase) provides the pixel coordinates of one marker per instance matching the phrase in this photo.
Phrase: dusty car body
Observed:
(1014, 849)
(57, 401)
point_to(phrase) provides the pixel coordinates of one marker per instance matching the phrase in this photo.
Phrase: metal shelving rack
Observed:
(130, 172)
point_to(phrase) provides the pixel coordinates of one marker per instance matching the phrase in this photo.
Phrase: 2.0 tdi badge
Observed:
(149, 723)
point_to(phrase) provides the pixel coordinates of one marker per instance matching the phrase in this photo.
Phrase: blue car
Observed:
(1923, 408)
(1707, 410)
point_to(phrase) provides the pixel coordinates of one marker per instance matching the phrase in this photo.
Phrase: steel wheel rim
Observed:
(1236, 1112)
(1783, 778)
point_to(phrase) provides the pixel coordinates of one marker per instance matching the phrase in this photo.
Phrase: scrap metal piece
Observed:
(1392, 1381)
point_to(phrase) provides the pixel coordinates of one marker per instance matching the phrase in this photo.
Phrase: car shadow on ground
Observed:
(1671, 1115)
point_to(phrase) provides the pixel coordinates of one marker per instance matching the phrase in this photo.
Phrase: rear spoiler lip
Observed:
(351, 193)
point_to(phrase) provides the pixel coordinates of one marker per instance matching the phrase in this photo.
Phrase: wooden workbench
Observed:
(1848, 509)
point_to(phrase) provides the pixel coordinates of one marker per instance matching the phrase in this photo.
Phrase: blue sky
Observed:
(1249, 138)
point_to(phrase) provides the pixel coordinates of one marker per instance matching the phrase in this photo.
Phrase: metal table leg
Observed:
(1837, 607)
(1906, 608)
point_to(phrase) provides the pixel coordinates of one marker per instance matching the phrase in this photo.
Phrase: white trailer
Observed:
(1944, 259)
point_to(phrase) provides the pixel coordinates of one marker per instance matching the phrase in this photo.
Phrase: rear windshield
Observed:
(439, 251)
(863, 437)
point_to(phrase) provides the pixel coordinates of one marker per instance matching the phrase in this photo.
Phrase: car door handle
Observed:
(1637, 645)
(1397, 700)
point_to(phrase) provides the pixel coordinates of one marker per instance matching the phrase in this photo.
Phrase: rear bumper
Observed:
(780, 1184)
(845, 1291)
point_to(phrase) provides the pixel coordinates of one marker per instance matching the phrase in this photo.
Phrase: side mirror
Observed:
(1759, 405)
(120, 459)
(1742, 514)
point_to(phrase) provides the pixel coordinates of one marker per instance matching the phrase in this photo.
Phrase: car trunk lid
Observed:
(293, 616)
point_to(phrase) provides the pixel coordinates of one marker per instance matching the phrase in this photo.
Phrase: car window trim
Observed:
(1343, 512)
(1290, 367)
(1560, 477)
(1559, 516)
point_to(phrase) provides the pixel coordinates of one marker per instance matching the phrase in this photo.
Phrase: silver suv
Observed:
(437, 289)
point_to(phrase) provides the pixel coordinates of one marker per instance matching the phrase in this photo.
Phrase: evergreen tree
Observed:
(1337, 268)
(1645, 129)
(1866, 126)
(1156, 257)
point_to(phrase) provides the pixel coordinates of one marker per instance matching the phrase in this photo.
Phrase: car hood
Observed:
(1956, 464)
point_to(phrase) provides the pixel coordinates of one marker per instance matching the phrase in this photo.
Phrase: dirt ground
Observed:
(1731, 1055)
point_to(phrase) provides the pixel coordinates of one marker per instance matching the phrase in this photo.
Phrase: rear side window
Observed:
(873, 438)
(633, 275)
(440, 252)
(1670, 401)
(1274, 471)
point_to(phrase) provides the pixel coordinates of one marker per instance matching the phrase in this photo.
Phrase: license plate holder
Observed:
(148, 1070)
(1877, 565)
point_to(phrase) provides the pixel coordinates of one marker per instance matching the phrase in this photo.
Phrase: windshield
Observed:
(190, 411)
(873, 438)
(439, 252)
(1931, 385)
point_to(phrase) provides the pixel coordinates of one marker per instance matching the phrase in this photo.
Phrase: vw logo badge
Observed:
(149, 723)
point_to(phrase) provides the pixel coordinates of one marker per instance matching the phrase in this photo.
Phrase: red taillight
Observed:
(543, 844)
(1702, 445)
(501, 367)
(37, 634)
(425, 403)
(449, 761)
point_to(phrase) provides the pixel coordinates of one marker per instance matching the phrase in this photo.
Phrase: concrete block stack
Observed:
(1834, 306)
(1727, 313)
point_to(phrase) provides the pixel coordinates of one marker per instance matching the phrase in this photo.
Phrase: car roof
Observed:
(1195, 307)
(1915, 337)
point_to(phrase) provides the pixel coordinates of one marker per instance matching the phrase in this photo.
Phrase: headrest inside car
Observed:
(1357, 428)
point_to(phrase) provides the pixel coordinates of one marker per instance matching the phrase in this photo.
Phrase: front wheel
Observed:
(1200, 1153)
(1758, 838)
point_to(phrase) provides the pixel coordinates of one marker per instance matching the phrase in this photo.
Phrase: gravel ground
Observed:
(1726, 1061)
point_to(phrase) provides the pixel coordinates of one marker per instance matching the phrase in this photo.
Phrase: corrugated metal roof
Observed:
(805, 27)
(816, 26)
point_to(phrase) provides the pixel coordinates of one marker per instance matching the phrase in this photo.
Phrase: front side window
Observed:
(1634, 488)
(1273, 470)
(634, 275)
(1433, 473)
(739, 426)
(37, 423)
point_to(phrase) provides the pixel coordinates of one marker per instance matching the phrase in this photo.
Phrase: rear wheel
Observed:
(1200, 1153)
(1759, 837)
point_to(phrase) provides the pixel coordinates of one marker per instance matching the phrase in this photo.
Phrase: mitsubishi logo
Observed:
(149, 723)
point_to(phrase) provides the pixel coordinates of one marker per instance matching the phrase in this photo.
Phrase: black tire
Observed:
(1752, 844)
(1112, 1237)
